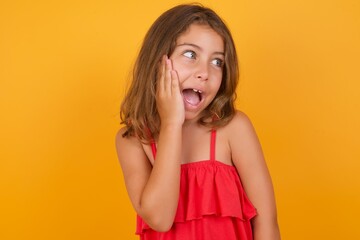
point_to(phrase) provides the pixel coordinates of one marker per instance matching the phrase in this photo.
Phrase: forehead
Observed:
(203, 36)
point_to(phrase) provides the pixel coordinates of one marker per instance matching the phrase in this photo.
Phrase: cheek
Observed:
(182, 70)
(217, 86)
(217, 79)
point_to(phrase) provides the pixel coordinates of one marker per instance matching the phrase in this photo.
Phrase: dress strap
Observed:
(152, 142)
(153, 148)
(212, 145)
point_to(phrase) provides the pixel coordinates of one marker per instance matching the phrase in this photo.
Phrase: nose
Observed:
(202, 71)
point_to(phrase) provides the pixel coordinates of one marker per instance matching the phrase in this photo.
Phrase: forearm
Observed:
(265, 229)
(160, 196)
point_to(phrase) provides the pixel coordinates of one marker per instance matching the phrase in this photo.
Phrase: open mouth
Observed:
(192, 96)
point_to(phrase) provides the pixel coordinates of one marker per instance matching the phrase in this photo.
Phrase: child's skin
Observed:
(153, 185)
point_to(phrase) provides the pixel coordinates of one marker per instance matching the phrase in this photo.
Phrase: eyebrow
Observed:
(198, 47)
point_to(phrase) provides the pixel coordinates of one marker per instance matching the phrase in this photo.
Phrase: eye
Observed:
(189, 54)
(217, 62)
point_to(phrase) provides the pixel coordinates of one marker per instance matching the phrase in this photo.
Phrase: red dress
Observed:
(212, 204)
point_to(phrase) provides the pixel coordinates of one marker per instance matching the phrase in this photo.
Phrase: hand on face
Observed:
(169, 99)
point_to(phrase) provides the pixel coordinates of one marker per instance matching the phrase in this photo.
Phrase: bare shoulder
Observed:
(241, 117)
(243, 141)
(120, 139)
(239, 125)
(129, 147)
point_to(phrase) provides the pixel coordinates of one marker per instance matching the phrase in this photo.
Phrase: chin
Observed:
(191, 116)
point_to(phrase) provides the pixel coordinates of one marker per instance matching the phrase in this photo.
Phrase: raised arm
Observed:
(154, 190)
(249, 160)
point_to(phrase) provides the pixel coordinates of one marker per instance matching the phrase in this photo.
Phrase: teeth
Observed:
(198, 91)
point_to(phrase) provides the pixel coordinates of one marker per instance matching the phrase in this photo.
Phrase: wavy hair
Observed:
(138, 110)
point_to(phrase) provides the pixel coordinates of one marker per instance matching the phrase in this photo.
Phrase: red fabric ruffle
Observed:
(211, 195)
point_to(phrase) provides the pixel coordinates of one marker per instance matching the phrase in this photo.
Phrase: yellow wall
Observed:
(63, 66)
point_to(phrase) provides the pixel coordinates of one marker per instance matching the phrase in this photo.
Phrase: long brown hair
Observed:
(138, 109)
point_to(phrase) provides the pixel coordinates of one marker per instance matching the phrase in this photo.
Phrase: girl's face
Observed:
(198, 59)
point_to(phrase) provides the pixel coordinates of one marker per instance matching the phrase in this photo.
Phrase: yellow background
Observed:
(63, 68)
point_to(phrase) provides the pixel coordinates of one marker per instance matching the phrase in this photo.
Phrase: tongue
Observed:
(191, 97)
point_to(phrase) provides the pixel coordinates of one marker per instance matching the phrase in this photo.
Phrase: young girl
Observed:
(184, 147)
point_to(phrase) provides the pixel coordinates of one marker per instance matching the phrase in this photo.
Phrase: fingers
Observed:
(171, 79)
(168, 81)
(161, 76)
(169, 99)
(175, 88)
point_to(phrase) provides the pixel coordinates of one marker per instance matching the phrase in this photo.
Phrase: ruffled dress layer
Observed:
(212, 204)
